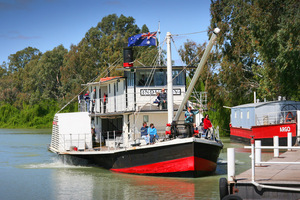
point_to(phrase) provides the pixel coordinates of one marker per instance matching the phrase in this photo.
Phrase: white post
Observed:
(169, 80)
(230, 164)
(276, 145)
(125, 130)
(254, 97)
(252, 160)
(257, 153)
(289, 141)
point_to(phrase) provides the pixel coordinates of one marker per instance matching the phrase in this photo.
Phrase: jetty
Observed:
(277, 178)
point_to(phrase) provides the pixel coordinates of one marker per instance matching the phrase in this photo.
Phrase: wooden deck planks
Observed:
(276, 173)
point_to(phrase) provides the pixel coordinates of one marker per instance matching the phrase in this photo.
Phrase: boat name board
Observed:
(152, 92)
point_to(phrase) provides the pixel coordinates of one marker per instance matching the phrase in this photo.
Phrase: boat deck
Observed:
(272, 181)
(276, 173)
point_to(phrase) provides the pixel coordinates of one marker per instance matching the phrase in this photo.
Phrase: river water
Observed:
(29, 171)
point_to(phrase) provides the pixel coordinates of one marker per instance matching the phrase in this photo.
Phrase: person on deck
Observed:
(144, 132)
(94, 100)
(104, 102)
(157, 100)
(189, 115)
(206, 125)
(152, 132)
(163, 99)
(87, 100)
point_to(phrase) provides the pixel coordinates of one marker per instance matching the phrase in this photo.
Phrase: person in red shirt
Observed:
(206, 125)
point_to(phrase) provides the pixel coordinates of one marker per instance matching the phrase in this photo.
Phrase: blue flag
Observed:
(142, 39)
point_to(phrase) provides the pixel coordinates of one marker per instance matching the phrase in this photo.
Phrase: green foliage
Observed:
(31, 116)
(257, 50)
(35, 85)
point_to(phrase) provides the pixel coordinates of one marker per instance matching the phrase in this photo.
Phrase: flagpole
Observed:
(159, 47)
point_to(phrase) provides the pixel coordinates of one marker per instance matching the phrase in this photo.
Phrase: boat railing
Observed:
(120, 103)
(74, 142)
(282, 117)
(256, 160)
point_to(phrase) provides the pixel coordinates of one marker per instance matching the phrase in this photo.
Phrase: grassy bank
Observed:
(30, 116)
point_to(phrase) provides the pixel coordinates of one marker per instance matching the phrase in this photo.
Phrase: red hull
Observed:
(178, 165)
(264, 132)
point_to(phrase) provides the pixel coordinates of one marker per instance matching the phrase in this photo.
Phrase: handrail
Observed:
(254, 162)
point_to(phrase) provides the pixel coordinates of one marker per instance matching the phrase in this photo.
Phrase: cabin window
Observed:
(146, 118)
(248, 115)
(159, 78)
(108, 88)
(178, 77)
(117, 86)
(130, 78)
(235, 114)
(241, 115)
(143, 77)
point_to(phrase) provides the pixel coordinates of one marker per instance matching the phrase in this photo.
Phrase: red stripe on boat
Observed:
(178, 165)
(266, 131)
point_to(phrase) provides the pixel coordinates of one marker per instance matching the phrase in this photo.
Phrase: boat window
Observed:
(142, 77)
(159, 78)
(241, 114)
(235, 114)
(178, 77)
(146, 118)
(248, 115)
(108, 88)
(130, 78)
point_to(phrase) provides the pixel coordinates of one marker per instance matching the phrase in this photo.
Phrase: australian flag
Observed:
(142, 39)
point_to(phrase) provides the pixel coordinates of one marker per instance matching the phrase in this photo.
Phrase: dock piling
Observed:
(276, 144)
(257, 153)
(230, 165)
(289, 141)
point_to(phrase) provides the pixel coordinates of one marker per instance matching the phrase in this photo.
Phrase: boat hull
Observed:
(188, 159)
(264, 133)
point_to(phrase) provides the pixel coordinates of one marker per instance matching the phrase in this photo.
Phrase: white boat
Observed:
(118, 117)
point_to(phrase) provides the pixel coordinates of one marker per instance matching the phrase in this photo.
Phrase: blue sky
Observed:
(45, 24)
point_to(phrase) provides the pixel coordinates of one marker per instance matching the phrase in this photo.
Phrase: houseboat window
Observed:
(241, 115)
(248, 115)
(235, 114)
(108, 88)
(117, 86)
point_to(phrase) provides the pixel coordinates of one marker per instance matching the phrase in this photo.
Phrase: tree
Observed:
(262, 38)
(18, 60)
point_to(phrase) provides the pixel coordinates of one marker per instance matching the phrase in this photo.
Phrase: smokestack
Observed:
(128, 57)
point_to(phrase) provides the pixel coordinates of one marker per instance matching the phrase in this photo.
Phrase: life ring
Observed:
(287, 118)
(232, 197)
(223, 188)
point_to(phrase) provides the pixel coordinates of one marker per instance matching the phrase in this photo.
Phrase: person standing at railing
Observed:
(144, 132)
(87, 100)
(93, 100)
(104, 102)
(206, 125)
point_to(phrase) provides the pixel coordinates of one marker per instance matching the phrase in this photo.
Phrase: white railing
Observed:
(275, 117)
(256, 160)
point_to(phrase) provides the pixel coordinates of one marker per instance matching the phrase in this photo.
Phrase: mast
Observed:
(169, 80)
(159, 47)
(197, 73)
